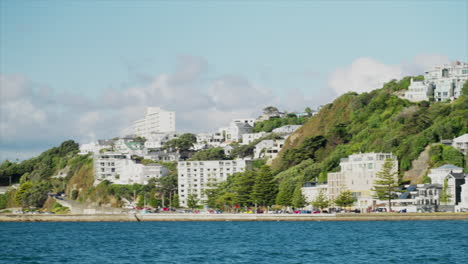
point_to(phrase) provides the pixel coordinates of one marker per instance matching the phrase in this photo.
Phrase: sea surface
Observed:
(235, 242)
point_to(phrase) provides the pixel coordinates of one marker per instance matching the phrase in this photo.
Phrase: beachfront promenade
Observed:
(228, 217)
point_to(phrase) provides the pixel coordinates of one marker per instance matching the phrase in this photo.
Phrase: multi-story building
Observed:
(95, 147)
(236, 129)
(195, 177)
(156, 120)
(121, 169)
(268, 148)
(461, 143)
(358, 174)
(443, 82)
(452, 177)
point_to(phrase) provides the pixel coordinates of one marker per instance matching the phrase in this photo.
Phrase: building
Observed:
(288, 129)
(268, 148)
(438, 175)
(251, 137)
(310, 190)
(443, 83)
(207, 140)
(195, 177)
(461, 143)
(162, 155)
(95, 147)
(236, 129)
(453, 178)
(358, 173)
(157, 140)
(121, 169)
(419, 198)
(156, 120)
(417, 91)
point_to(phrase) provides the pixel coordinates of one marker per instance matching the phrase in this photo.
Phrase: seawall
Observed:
(228, 217)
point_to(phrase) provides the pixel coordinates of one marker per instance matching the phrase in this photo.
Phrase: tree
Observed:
(386, 183)
(345, 199)
(321, 201)
(445, 196)
(285, 193)
(175, 201)
(243, 186)
(298, 199)
(308, 110)
(209, 154)
(264, 188)
(465, 89)
(192, 201)
(270, 110)
(182, 143)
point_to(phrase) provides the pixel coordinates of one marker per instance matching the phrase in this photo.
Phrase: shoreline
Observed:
(228, 217)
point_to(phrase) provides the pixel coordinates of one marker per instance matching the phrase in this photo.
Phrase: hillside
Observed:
(377, 121)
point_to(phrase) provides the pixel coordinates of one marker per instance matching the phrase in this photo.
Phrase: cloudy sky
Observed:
(85, 70)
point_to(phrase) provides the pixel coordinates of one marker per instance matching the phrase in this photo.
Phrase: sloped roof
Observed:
(449, 167)
(462, 138)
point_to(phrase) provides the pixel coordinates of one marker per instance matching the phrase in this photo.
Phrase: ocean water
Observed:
(235, 242)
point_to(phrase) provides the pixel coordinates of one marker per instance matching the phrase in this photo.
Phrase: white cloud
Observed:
(363, 75)
(366, 74)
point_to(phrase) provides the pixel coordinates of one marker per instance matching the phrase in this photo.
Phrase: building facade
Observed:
(156, 120)
(461, 143)
(358, 174)
(268, 148)
(195, 177)
(119, 168)
(443, 83)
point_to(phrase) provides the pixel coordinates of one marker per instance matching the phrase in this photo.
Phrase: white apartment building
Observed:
(358, 173)
(444, 82)
(206, 140)
(156, 120)
(288, 129)
(268, 148)
(461, 143)
(120, 169)
(250, 137)
(197, 176)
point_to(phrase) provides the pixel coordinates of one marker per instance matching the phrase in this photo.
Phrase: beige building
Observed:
(358, 173)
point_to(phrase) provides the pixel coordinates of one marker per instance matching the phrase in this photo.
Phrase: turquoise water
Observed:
(235, 242)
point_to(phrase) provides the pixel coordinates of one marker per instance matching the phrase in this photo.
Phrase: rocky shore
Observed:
(228, 217)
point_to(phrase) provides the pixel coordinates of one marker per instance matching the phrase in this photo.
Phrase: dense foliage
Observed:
(182, 143)
(209, 154)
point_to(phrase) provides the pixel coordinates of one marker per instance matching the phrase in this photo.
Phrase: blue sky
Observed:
(69, 55)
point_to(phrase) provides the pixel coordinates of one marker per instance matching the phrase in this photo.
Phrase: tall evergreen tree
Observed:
(387, 183)
(345, 199)
(298, 199)
(264, 189)
(243, 186)
(321, 201)
(285, 193)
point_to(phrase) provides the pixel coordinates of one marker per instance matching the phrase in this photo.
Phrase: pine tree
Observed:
(192, 201)
(285, 194)
(345, 199)
(264, 189)
(243, 186)
(298, 199)
(387, 183)
(321, 201)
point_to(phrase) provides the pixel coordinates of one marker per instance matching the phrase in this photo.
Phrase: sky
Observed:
(86, 69)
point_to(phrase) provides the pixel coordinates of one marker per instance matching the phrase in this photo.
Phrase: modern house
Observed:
(250, 137)
(195, 177)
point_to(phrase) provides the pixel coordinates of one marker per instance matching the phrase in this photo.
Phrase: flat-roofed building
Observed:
(195, 177)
